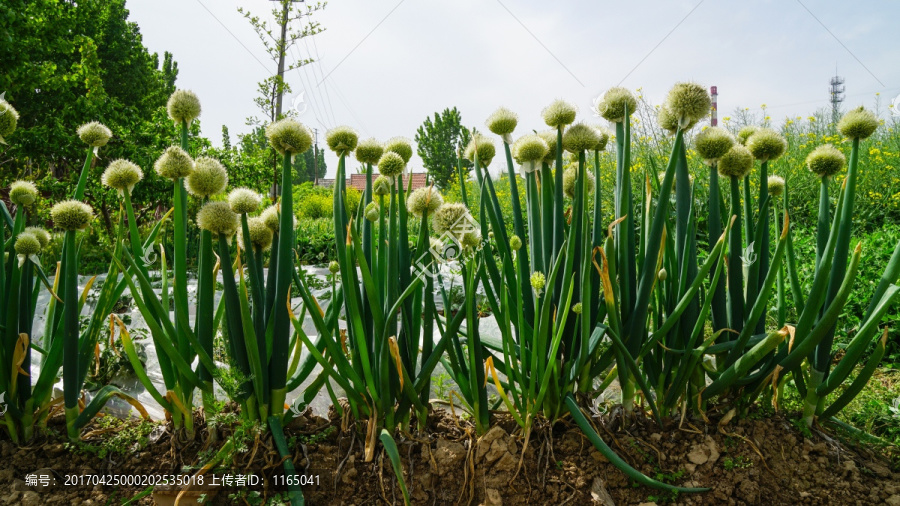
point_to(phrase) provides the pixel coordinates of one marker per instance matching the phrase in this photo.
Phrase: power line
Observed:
(660, 42)
(839, 42)
(318, 62)
(363, 40)
(235, 37)
(540, 42)
(310, 91)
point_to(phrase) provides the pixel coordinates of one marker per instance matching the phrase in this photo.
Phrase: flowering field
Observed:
(678, 287)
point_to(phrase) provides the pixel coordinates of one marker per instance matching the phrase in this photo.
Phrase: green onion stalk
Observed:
(856, 126)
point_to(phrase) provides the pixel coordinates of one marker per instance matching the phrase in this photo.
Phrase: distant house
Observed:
(358, 181)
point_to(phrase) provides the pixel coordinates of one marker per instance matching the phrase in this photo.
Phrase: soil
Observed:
(748, 461)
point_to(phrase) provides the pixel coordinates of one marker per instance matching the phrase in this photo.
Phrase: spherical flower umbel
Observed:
(825, 161)
(689, 102)
(334, 267)
(42, 235)
(183, 106)
(538, 281)
(736, 163)
(745, 133)
(669, 121)
(559, 113)
(381, 186)
(270, 217)
(218, 218)
(23, 193)
(369, 151)
(174, 163)
(27, 245)
(94, 134)
(289, 136)
(208, 178)
(712, 143)
(766, 144)
(515, 243)
(9, 118)
(580, 137)
(576, 308)
(570, 177)
(244, 200)
(391, 165)
(775, 185)
(122, 175)
(502, 122)
(550, 138)
(450, 217)
(529, 150)
(858, 124)
(612, 105)
(424, 200)
(71, 215)
(260, 234)
(602, 138)
(471, 239)
(400, 145)
(372, 211)
(342, 140)
(484, 147)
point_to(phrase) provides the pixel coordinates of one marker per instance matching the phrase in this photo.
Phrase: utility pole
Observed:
(316, 158)
(714, 111)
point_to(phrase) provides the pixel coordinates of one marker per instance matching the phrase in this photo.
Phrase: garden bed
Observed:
(756, 460)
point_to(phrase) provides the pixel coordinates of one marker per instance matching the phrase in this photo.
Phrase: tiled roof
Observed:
(358, 181)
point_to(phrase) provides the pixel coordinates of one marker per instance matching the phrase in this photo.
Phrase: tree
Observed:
(67, 63)
(309, 165)
(291, 25)
(438, 142)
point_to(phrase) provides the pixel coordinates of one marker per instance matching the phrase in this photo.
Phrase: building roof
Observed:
(358, 181)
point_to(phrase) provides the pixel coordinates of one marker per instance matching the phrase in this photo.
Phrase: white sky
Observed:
(476, 55)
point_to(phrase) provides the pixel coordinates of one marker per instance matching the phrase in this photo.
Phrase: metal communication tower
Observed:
(837, 96)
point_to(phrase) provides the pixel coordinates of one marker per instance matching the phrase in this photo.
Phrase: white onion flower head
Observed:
(183, 106)
(122, 175)
(342, 140)
(502, 122)
(9, 119)
(218, 218)
(174, 163)
(689, 102)
(289, 136)
(244, 200)
(826, 161)
(260, 234)
(23, 193)
(737, 162)
(94, 134)
(400, 145)
(391, 164)
(71, 215)
(424, 200)
(530, 150)
(613, 104)
(369, 151)
(580, 137)
(207, 179)
(559, 114)
(858, 124)
(482, 146)
(42, 235)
